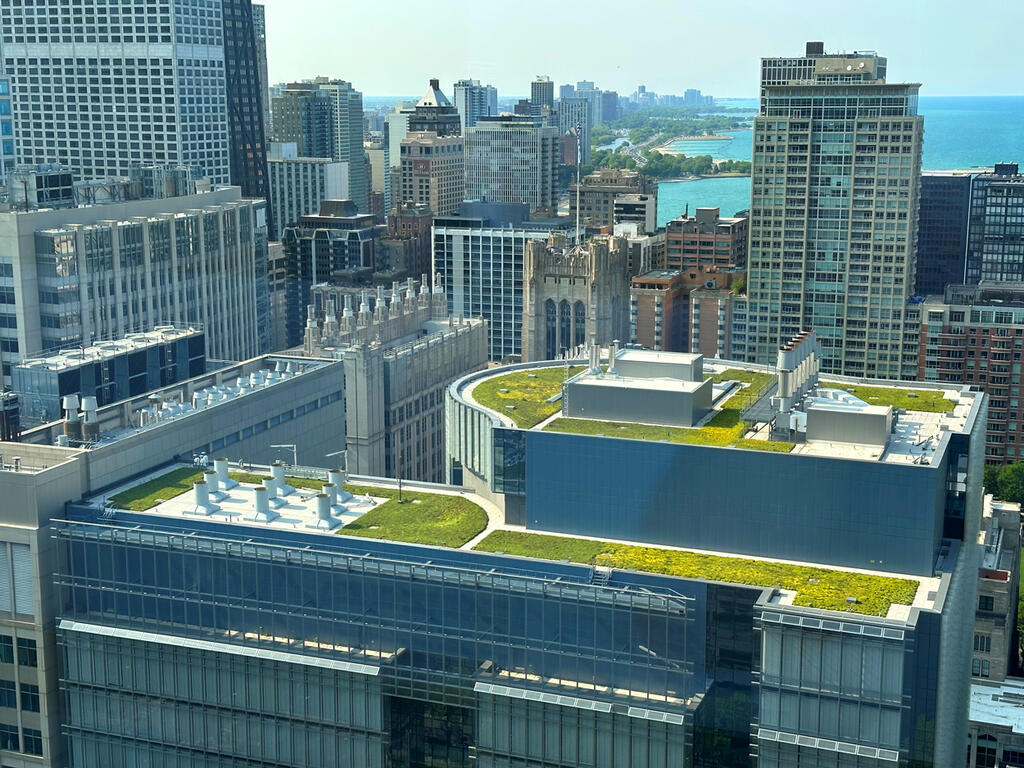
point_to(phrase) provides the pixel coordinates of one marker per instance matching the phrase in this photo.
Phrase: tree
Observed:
(991, 480)
(1011, 482)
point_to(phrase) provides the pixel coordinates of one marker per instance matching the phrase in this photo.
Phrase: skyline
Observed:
(387, 60)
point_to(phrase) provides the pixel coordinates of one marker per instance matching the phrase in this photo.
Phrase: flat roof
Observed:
(104, 350)
(1000, 704)
(627, 382)
(654, 356)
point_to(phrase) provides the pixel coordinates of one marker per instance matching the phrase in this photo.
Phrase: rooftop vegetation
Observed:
(419, 518)
(725, 428)
(927, 400)
(526, 391)
(815, 587)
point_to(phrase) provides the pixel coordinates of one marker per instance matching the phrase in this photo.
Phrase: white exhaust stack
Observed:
(323, 520)
(202, 504)
(224, 480)
(263, 513)
(332, 490)
(277, 476)
(337, 478)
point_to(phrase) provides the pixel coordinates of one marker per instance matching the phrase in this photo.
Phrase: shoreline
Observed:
(727, 175)
(665, 146)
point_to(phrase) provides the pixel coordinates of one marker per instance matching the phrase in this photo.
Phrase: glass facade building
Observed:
(995, 244)
(942, 230)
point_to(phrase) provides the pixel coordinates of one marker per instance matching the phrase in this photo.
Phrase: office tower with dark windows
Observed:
(995, 238)
(942, 230)
(513, 159)
(473, 100)
(325, 119)
(542, 94)
(245, 95)
(259, 26)
(833, 211)
(165, 63)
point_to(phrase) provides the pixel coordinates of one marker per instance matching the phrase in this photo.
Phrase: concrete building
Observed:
(542, 94)
(659, 310)
(513, 159)
(380, 174)
(277, 287)
(637, 209)
(59, 120)
(433, 171)
(599, 191)
(573, 296)
(717, 319)
(435, 114)
(8, 155)
(995, 650)
(399, 358)
(646, 250)
(706, 240)
(396, 123)
(574, 113)
(108, 371)
(298, 185)
(832, 246)
(413, 223)
(336, 245)
(994, 247)
(473, 101)
(942, 230)
(325, 119)
(973, 335)
(840, 486)
(71, 276)
(479, 255)
(996, 734)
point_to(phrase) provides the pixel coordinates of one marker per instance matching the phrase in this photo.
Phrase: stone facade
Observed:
(574, 296)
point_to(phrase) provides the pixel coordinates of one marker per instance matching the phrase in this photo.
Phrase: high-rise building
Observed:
(259, 26)
(412, 223)
(574, 113)
(542, 94)
(298, 185)
(972, 334)
(995, 248)
(566, 91)
(396, 123)
(833, 211)
(400, 353)
(245, 94)
(513, 159)
(167, 77)
(8, 156)
(573, 296)
(478, 255)
(942, 230)
(609, 106)
(705, 241)
(598, 192)
(103, 271)
(380, 173)
(325, 119)
(473, 101)
(435, 113)
(658, 310)
(593, 96)
(433, 171)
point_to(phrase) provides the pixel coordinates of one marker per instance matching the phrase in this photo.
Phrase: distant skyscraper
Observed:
(166, 76)
(995, 248)
(542, 93)
(513, 159)
(259, 25)
(433, 171)
(473, 101)
(566, 91)
(298, 185)
(325, 119)
(573, 112)
(245, 94)
(8, 157)
(397, 124)
(833, 225)
(942, 230)
(435, 113)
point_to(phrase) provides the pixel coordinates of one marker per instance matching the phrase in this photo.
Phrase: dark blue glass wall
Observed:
(861, 514)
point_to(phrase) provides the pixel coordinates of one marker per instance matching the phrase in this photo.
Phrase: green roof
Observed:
(526, 395)
(926, 400)
(815, 587)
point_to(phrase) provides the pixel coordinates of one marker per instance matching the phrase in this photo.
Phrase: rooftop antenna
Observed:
(579, 158)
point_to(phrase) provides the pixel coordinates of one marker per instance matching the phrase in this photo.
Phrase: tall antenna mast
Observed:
(579, 158)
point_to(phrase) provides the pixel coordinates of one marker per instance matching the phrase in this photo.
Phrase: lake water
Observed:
(959, 132)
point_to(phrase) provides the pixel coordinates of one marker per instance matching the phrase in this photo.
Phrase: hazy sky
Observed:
(392, 47)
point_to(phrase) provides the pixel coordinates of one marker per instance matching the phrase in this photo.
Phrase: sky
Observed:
(393, 47)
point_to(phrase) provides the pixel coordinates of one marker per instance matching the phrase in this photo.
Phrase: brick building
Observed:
(705, 239)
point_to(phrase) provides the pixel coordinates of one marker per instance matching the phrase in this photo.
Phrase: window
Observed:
(30, 697)
(985, 603)
(980, 667)
(9, 737)
(6, 649)
(33, 741)
(27, 651)
(982, 643)
(7, 696)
